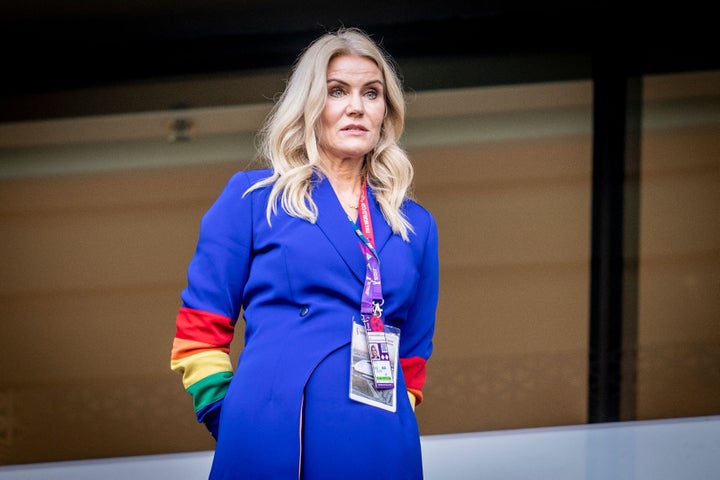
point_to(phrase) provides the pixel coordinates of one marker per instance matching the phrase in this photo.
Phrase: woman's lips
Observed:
(354, 128)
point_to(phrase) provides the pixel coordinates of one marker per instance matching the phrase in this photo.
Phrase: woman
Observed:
(288, 247)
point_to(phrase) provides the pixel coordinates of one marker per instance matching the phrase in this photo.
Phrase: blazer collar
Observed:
(334, 223)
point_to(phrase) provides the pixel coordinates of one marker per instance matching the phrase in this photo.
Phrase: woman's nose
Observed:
(355, 105)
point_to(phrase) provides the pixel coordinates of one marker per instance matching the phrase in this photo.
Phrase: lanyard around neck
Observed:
(372, 298)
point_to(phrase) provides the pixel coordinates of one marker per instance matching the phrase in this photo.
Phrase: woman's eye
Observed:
(336, 92)
(372, 94)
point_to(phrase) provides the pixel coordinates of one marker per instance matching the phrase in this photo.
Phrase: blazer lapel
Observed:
(334, 223)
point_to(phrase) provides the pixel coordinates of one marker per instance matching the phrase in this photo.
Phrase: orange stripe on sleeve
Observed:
(183, 347)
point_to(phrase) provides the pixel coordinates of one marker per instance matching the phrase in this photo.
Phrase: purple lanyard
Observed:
(372, 298)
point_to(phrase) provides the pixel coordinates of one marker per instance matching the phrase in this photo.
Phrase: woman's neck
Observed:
(347, 181)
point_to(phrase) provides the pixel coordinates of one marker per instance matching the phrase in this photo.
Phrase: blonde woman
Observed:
(328, 259)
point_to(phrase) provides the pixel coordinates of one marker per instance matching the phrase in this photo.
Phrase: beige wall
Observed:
(511, 342)
(90, 288)
(96, 236)
(679, 276)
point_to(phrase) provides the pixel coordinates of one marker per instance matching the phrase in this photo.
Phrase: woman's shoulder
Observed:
(412, 208)
(235, 190)
(235, 200)
(242, 180)
(419, 217)
(250, 177)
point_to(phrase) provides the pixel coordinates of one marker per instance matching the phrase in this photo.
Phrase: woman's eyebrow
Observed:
(342, 82)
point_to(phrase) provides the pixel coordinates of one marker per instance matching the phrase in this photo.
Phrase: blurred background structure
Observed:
(570, 152)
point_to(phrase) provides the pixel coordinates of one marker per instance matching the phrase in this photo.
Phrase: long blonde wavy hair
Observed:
(288, 139)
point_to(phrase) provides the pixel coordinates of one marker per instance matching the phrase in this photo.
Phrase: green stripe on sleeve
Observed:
(210, 389)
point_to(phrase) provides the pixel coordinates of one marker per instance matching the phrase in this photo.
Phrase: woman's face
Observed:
(354, 109)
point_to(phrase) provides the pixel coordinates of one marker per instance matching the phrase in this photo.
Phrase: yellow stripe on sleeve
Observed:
(201, 365)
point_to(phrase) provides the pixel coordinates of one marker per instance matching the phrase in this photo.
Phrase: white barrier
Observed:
(677, 449)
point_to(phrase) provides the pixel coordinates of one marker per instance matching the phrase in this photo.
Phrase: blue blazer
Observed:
(298, 286)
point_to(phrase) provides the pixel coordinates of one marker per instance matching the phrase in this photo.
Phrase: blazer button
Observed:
(304, 311)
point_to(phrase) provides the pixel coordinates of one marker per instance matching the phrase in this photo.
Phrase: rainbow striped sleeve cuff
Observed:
(201, 353)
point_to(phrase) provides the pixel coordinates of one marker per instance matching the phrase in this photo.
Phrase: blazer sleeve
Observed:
(212, 300)
(416, 343)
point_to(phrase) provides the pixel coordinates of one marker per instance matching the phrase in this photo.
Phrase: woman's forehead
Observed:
(344, 67)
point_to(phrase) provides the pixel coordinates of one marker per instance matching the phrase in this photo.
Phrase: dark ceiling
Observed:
(55, 45)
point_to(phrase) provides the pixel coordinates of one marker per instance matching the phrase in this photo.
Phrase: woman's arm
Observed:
(205, 324)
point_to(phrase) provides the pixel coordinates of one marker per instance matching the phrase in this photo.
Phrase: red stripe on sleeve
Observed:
(414, 371)
(205, 327)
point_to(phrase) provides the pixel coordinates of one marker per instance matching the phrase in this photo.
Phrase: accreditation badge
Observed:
(364, 371)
